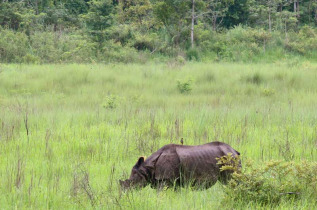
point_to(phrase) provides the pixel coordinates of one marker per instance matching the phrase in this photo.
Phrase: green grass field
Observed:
(68, 133)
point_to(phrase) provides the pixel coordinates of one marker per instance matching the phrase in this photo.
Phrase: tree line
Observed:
(122, 29)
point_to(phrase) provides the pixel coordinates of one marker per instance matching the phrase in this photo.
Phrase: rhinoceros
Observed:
(176, 165)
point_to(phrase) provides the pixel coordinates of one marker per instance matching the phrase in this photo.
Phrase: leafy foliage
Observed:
(110, 102)
(230, 30)
(270, 182)
(185, 86)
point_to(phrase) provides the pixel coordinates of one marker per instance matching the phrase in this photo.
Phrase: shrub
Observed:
(184, 87)
(13, 46)
(304, 42)
(52, 48)
(177, 62)
(122, 33)
(215, 44)
(44, 46)
(271, 182)
(268, 92)
(117, 53)
(180, 60)
(110, 102)
(76, 48)
(192, 54)
(31, 59)
(237, 44)
(146, 42)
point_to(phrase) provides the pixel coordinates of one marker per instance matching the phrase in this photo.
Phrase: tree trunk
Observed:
(295, 9)
(214, 22)
(37, 7)
(193, 22)
(281, 7)
(270, 24)
(309, 11)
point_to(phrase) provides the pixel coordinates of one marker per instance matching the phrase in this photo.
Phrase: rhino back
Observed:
(200, 161)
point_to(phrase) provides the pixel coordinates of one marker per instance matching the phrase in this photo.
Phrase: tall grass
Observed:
(69, 132)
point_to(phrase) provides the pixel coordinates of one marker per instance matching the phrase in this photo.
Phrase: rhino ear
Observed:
(140, 161)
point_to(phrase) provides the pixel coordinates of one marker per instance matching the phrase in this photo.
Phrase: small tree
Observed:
(173, 15)
(263, 12)
(99, 18)
(211, 9)
(136, 11)
(216, 11)
(288, 20)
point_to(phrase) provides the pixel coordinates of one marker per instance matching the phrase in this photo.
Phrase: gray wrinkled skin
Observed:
(178, 165)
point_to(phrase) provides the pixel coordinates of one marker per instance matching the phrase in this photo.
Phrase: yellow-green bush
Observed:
(271, 182)
(304, 42)
(13, 46)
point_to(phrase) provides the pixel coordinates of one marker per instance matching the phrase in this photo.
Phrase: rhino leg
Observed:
(225, 176)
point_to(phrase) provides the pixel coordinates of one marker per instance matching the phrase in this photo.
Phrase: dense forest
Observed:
(53, 31)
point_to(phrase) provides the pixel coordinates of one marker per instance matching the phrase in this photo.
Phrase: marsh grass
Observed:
(68, 133)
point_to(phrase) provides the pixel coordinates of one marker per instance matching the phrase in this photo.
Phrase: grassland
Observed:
(68, 133)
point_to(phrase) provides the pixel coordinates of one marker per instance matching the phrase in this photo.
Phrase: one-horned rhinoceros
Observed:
(176, 165)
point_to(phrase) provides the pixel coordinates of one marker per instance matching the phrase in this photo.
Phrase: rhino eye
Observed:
(137, 176)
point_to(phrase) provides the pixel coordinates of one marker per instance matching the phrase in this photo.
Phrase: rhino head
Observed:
(138, 177)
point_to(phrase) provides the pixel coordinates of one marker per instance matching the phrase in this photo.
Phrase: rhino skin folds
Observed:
(177, 165)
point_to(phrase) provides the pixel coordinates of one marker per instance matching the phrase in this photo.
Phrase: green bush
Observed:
(180, 60)
(115, 52)
(122, 33)
(146, 42)
(44, 45)
(69, 48)
(304, 42)
(268, 92)
(13, 46)
(76, 48)
(271, 182)
(31, 59)
(237, 44)
(184, 87)
(211, 42)
(110, 102)
(192, 54)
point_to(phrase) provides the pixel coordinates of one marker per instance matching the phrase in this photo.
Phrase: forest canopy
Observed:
(51, 31)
